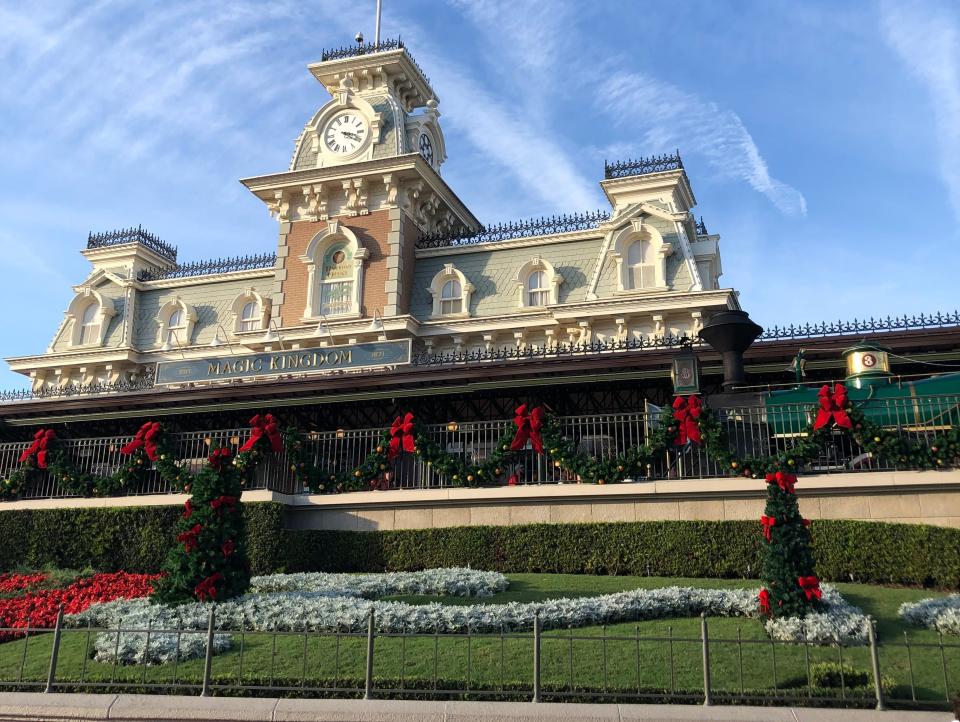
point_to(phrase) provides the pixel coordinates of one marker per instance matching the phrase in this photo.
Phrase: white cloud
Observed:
(666, 118)
(927, 40)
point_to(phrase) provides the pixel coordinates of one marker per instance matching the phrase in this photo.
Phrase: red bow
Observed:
(223, 502)
(528, 428)
(764, 598)
(832, 406)
(218, 457)
(686, 411)
(189, 538)
(207, 589)
(145, 437)
(785, 481)
(810, 587)
(768, 523)
(264, 426)
(401, 436)
(40, 447)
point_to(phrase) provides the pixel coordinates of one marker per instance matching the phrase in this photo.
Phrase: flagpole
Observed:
(376, 34)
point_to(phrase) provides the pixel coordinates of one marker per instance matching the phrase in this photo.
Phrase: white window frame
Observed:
(171, 336)
(447, 274)
(81, 304)
(525, 293)
(658, 251)
(334, 234)
(262, 319)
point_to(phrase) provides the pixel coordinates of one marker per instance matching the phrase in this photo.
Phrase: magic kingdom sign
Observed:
(299, 361)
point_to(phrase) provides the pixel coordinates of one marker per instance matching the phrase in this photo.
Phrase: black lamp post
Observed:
(730, 333)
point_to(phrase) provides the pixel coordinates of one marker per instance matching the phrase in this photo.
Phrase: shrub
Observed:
(131, 539)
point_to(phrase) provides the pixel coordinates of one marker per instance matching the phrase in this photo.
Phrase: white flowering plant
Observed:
(941, 614)
(340, 602)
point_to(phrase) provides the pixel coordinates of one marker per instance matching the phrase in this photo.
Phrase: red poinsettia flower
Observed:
(228, 547)
(764, 598)
(219, 457)
(189, 538)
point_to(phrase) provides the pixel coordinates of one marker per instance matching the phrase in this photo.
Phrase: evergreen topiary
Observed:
(791, 587)
(209, 561)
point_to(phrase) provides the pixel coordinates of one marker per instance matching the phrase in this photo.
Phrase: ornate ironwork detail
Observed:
(857, 326)
(545, 226)
(146, 381)
(211, 267)
(561, 349)
(352, 51)
(642, 166)
(133, 235)
(702, 228)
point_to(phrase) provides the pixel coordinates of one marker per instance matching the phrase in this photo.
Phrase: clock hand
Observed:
(352, 136)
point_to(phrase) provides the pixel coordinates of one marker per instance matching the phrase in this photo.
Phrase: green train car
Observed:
(921, 406)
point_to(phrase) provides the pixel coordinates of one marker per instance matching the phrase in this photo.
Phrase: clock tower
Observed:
(362, 186)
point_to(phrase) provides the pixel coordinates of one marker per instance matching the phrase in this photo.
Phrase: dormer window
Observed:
(451, 297)
(538, 284)
(537, 290)
(641, 271)
(89, 325)
(176, 320)
(250, 311)
(451, 292)
(250, 316)
(176, 327)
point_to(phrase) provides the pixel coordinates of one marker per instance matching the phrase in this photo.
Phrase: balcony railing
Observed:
(133, 235)
(752, 430)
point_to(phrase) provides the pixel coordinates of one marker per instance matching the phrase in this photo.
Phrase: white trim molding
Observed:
(623, 239)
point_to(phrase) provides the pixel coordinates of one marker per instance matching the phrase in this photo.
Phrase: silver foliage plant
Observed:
(319, 603)
(941, 614)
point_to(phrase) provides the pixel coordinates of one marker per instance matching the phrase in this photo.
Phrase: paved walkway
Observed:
(30, 707)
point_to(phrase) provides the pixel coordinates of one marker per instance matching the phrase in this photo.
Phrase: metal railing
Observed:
(133, 235)
(526, 228)
(600, 664)
(642, 166)
(752, 431)
(906, 322)
(210, 267)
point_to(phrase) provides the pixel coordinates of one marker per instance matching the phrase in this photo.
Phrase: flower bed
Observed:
(39, 609)
(324, 604)
(940, 614)
(11, 582)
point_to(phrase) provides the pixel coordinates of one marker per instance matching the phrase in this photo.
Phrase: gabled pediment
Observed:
(100, 279)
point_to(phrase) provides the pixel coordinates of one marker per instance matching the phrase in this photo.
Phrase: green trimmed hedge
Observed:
(133, 539)
(869, 552)
(136, 539)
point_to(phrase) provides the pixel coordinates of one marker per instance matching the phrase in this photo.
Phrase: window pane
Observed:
(451, 306)
(335, 298)
(336, 263)
(88, 314)
(538, 280)
(176, 319)
(637, 252)
(451, 289)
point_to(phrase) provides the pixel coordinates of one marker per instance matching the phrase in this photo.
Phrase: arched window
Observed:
(451, 297)
(538, 292)
(336, 281)
(176, 328)
(89, 324)
(641, 268)
(250, 316)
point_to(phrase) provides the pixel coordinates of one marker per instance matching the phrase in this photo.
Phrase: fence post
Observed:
(368, 686)
(875, 662)
(208, 659)
(55, 652)
(536, 656)
(707, 696)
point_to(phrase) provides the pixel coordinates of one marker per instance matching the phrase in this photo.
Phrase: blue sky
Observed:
(822, 139)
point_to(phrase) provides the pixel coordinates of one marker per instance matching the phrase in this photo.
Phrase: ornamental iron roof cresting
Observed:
(210, 267)
(133, 235)
(544, 226)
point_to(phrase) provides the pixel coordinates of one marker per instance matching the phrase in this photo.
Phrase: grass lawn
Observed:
(666, 657)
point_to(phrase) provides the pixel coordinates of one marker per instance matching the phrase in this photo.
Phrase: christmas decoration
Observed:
(528, 426)
(401, 436)
(791, 588)
(833, 407)
(686, 411)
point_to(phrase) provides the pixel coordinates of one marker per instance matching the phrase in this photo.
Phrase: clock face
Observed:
(426, 148)
(345, 133)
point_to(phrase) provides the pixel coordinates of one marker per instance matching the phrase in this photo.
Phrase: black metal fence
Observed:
(751, 430)
(210, 267)
(617, 664)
